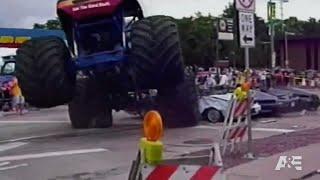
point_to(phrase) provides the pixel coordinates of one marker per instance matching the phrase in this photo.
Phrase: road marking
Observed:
(208, 127)
(33, 122)
(29, 138)
(13, 167)
(274, 130)
(5, 147)
(4, 163)
(254, 129)
(50, 154)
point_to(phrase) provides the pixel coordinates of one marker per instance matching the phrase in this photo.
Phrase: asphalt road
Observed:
(41, 144)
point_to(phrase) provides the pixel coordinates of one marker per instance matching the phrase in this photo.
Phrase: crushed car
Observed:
(272, 104)
(303, 99)
(213, 108)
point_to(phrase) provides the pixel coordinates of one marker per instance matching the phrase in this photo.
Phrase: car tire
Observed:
(213, 115)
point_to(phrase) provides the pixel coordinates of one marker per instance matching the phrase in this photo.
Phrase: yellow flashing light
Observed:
(153, 126)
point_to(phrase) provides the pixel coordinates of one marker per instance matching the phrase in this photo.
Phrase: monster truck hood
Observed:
(86, 9)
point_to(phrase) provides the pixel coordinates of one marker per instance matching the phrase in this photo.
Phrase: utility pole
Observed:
(273, 54)
(246, 56)
(217, 40)
(271, 18)
(282, 15)
(286, 48)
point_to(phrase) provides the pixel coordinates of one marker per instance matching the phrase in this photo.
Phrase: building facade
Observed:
(303, 53)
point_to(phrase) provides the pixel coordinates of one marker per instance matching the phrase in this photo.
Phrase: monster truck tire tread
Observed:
(156, 53)
(41, 71)
(179, 106)
(89, 109)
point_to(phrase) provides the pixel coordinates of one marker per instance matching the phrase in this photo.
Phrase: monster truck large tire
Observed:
(42, 72)
(179, 106)
(89, 108)
(156, 54)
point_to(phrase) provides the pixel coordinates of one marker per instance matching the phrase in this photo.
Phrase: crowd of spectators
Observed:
(229, 78)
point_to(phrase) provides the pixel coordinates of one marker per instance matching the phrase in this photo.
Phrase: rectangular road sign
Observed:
(225, 29)
(246, 29)
(246, 5)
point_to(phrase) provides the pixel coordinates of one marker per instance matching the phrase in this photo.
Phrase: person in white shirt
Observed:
(223, 80)
(210, 82)
(263, 78)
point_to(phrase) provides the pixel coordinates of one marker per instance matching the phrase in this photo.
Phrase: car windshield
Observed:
(8, 68)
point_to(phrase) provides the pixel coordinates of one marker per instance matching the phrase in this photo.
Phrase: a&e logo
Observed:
(289, 162)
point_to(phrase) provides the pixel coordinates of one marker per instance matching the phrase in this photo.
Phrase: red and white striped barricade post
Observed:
(148, 167)
(181, 172)
(237, 125)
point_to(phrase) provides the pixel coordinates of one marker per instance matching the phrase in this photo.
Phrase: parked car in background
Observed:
(213, 108)
(6, 76)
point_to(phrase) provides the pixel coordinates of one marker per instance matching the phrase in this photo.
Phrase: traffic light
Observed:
(271, 11)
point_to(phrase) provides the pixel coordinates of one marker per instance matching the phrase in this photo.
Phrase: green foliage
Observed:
(52, 24)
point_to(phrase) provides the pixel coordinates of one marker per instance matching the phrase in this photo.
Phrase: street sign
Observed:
(246, 5)
(225, 29)
(246, 29)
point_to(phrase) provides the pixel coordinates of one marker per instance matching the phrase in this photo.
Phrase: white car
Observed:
(213, 108)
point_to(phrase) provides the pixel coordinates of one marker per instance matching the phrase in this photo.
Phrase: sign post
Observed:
(246, 10)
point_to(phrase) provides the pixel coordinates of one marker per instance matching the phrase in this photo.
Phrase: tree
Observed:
(52, 24)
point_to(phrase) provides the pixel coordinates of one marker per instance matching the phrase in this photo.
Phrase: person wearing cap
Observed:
(17, 97)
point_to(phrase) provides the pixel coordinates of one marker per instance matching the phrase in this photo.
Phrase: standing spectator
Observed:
(210, 82)
(230, 78)
(223, 79)
(217, 77)
(263, 78)
(17, 98)
(269, 79)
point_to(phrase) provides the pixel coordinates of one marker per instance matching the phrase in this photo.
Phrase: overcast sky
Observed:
(23, 13)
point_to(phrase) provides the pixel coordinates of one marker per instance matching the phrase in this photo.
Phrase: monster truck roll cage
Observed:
(88, 60)
(87, 54)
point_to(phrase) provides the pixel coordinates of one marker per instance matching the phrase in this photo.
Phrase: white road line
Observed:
(13, 167)
(254, 129)
(33, 122)
(50, 154)
(208, 127)
(22, 139)
(4, 163)
(5, 147)
(274, 130)
(33, 137)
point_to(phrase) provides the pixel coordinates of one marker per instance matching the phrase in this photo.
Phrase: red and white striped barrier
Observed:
(179, 172)
(236, 125)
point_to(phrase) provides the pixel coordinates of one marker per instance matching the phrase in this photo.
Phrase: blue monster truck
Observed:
(113, 47)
